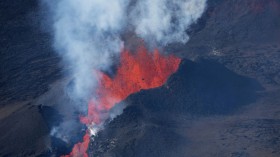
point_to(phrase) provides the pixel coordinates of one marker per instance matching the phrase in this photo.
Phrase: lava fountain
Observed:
(136, 71)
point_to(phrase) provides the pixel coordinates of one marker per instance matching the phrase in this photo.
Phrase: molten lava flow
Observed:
(141, 70)
(80, 149)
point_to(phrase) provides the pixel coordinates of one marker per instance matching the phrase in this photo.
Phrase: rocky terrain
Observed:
(28, 66)
(223, 101)
(214, 112)
(202, 110)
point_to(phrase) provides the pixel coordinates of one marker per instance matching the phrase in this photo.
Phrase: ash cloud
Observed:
(87, 33)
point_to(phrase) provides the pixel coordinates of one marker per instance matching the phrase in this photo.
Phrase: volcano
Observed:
(142, 70)
(216, 95)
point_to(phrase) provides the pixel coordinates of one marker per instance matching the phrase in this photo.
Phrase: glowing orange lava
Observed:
(80, 149)
(140, 70)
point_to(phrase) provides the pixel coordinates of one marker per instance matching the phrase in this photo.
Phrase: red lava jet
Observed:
(140, 70)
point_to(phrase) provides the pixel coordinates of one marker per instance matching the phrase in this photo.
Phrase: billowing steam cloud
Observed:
(87, 33)
(163, 21)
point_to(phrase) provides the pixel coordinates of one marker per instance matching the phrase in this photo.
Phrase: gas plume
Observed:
(137, 71)
(88, 34)
(161, 22)
(142, 70)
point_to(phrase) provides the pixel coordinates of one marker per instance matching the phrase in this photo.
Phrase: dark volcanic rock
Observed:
(149, 125)
(243, 35)
(28, 67)
(203, 88)
(28, 62)
(62, 141)
(204, 103)
(211, 107)
(23, 133)
(50, 116)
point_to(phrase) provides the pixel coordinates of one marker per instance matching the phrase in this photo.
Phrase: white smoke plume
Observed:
(163, 21)
(87, 33)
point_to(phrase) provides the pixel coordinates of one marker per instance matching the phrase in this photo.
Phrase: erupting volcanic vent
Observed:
(140, 70)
